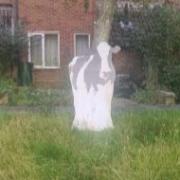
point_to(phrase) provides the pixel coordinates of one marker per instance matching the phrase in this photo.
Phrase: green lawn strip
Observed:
(143, 145)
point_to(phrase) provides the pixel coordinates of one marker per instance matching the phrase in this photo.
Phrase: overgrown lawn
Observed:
(144, 145)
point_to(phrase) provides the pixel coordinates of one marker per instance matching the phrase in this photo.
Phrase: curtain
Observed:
(5, 17)
(36, 50)
(82, 44)
(51, 50)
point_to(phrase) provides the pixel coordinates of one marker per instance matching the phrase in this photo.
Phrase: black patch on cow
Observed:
(76, 69)
(92, 72)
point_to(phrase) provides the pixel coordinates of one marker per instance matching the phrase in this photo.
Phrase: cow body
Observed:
(92, 78)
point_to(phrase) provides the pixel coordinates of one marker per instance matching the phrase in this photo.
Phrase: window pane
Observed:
(5, 17)
(51, 50)
(82, 44)
(36, 50)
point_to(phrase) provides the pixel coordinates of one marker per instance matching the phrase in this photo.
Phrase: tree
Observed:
(10, 45)
(104, 16)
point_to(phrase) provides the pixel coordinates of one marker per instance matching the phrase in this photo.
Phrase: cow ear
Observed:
(115, 49)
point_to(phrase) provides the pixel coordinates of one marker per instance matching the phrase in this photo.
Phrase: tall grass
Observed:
(144, 145)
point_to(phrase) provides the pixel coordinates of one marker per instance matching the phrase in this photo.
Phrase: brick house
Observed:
(56, 31)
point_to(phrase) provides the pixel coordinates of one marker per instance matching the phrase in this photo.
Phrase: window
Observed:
(81, 44)
(44, 50)
(6, 17)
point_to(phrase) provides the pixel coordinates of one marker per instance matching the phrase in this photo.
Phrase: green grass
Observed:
(144, 145)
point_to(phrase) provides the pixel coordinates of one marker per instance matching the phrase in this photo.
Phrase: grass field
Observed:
(144, 145)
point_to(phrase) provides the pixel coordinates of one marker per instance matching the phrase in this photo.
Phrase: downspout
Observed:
(16, 23)
(16, 12)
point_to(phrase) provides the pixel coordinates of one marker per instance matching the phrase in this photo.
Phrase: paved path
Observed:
(123, 104)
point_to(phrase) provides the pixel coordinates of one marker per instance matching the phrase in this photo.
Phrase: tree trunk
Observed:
(104, 16)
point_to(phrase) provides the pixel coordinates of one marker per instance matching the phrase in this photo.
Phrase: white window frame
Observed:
(77, 34)
(42, 34)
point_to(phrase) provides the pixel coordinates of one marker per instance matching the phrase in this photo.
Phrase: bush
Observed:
(7, 86)
(171, 78)
(12, 45)
(30, 96)
(155, 35)
(146, 96)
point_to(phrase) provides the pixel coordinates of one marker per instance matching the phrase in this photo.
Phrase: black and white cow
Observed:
(92, 78)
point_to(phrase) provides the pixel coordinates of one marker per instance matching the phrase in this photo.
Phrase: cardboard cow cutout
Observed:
(92, 78)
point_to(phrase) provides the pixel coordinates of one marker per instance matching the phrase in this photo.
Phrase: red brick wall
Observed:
(128, 62)
(6, 1)
(55, 15)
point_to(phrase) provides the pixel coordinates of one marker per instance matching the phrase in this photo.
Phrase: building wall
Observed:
(129, 62)
(176, 3)
(55, 15)
(6, 1)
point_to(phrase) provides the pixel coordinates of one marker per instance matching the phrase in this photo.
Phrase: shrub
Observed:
(6, 86)
(146, 96)
(12, 45)
(170, 77)
(38, 97)
(30, 96)
(155, 35)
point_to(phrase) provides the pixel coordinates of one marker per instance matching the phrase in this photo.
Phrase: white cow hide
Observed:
(92, 78)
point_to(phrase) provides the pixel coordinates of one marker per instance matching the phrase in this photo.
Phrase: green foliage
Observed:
(6, 86)
(30, 96)
(145, 96)
(156, 37)
(72, 2)
(143, 145)
(86, 4)
(170, 77)
(12, 45)
(39, 97)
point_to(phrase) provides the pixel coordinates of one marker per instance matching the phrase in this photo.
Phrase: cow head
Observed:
(104, 49)
(105, 52)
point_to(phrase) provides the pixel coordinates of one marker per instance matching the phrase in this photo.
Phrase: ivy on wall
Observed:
(72, 2)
